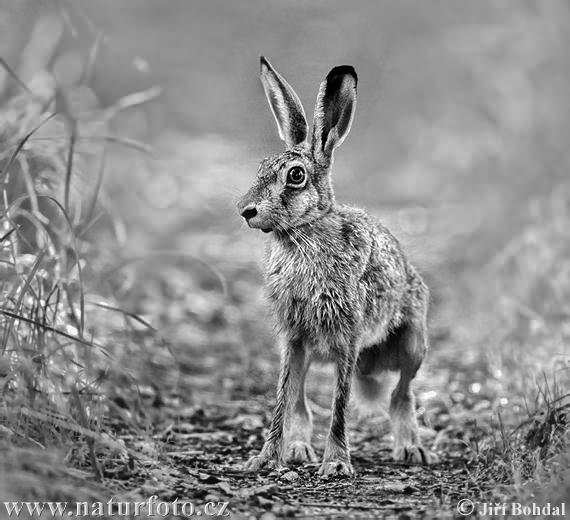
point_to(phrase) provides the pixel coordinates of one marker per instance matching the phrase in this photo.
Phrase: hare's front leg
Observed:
(290, 413)
(299, 421)
(336, 459)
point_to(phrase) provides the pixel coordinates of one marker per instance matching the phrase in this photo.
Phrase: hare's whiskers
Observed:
(306, 240)
(301, 250)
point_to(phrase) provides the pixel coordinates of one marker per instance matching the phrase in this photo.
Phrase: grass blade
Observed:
(49, 328)
(20, 145)
(132, 315)
(69, 167)
(15, 77)
(95, 196)
(7, 235)
(23, 292)
(92, 58)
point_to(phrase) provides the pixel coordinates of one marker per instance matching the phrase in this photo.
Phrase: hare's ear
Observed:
(285, 105)
(334, 111)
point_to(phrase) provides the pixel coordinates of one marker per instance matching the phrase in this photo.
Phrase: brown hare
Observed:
(340, 287)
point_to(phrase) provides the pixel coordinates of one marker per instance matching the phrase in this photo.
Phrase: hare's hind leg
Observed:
(409, 348)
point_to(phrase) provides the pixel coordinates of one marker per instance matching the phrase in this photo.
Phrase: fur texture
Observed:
(340, 287)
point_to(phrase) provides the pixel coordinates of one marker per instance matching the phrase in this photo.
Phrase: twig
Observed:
(339, 506)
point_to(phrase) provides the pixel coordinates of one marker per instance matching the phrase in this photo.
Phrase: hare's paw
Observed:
(414, 455)
(331, 468)
(300, 451)
(261, 461)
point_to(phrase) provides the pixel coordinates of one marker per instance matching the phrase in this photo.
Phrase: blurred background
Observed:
(461, 105)
(460, 144)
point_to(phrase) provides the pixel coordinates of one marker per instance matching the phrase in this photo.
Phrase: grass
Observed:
(51, 364)
(526, 318)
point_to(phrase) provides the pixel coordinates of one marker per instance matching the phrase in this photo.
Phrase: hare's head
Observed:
(294, 187)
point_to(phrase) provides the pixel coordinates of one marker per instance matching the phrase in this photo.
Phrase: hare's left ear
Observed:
(285, 105)
(334, 111)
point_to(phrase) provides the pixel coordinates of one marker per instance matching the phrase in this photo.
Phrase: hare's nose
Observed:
(249, 212)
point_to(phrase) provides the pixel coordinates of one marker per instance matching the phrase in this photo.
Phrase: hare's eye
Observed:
(296, 176)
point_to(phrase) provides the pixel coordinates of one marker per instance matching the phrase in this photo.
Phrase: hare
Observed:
(340, 287)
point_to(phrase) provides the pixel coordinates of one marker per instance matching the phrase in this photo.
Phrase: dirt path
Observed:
(203, 453)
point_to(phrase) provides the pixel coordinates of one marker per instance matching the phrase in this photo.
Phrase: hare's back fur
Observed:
(342, 274)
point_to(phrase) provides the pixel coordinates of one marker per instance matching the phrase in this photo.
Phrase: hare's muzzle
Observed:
(249, 212)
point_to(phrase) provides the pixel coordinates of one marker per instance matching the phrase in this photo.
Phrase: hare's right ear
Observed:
(334, 111)
(285, 105)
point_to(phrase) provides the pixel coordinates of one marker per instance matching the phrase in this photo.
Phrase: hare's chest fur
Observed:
(314, 285)
(347, 280)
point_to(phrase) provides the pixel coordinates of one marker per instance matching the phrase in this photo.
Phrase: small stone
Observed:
(290, 476)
